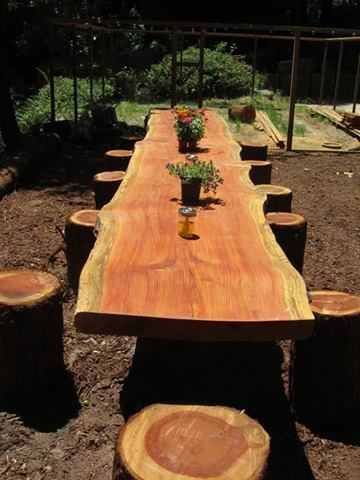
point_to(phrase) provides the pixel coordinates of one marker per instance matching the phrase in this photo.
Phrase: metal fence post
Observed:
(173, 69)
(254, 67)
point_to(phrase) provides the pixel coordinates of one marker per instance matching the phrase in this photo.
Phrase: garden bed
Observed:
(73, 435)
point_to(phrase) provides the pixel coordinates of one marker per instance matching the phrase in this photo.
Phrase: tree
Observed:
(8, 124)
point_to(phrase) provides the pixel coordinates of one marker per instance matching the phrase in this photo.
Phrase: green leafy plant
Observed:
(196, 169)
(225, 76)
(36, 109)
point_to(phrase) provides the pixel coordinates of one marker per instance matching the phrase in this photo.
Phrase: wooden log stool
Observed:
(129, 141)
(180, 441)
(325, 369)
(253, 152)
(106, 185)
(79, 239)
(290, 233)
(117, 160)
(260, 171)
(31, 333)
(278, 198)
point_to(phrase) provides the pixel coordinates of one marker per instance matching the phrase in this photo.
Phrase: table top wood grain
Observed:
(232, 283)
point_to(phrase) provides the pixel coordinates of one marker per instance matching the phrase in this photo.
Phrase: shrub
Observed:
(224, 75)
(36, 109)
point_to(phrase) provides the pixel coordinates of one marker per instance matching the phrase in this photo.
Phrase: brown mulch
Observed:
(72, 436)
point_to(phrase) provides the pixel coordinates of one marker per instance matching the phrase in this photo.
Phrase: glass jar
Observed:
(186, 223)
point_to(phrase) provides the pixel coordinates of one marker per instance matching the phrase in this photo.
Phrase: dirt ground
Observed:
(71, 434)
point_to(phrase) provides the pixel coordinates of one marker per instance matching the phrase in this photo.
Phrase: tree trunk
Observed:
(8, 124)
(325, 379)
(279, 198)
(31, 332)
(171, 441)
(260, 171)
(79, 239)
(117, 159)
(290, 233)
(105, 186)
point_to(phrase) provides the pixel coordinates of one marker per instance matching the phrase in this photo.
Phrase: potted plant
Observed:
(190, 127)
(195, 175)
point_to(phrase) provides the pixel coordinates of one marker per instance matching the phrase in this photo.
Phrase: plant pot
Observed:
(182, 146)
(192, 145)
(190, 191)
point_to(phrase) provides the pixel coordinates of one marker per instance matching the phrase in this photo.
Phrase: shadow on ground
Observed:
(47, 409)
(239, 375)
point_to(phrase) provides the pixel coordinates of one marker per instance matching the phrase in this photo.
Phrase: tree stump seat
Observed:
(31, 333)
(117, 159)
(290, 233)
(179, 441)
(279, 198)
(79, 240)
(129, 141)
(260, 171)
(251, 151)
(106, 185)
(325, 368)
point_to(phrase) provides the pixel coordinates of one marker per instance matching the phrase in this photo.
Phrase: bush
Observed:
(224, 76)
(36, 109)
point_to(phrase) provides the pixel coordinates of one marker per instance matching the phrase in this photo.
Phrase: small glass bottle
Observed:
(186, 224)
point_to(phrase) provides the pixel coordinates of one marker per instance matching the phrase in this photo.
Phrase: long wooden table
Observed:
(143, 279)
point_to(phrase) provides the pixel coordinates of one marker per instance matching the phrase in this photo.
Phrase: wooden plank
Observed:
(270, 129)
(233, 283)
(337, 120)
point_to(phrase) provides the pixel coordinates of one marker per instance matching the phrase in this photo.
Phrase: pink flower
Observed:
(186, 120)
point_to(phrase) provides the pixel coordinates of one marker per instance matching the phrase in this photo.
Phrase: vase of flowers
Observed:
(194, 175)
(190, 128)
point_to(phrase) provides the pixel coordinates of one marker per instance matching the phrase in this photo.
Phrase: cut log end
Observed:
(26, 287)
(117, 159)
(334, 303)
(114, 176)
(279, 198)
(196, 441)
(253, 152)
(260, 171)
(86, 218)
(285, 220)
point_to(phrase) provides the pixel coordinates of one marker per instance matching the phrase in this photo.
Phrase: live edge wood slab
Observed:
(232, 283)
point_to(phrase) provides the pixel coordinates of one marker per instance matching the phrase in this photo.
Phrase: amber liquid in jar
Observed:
(186, 223)
(186, 227)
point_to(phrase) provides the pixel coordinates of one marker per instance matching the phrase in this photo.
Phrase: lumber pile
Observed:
(341, 120)
(270, 129)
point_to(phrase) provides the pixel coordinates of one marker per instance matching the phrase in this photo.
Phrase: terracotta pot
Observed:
(190, 191)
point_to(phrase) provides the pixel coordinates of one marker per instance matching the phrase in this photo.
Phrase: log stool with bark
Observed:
(31, 333)
(260, 171)
(173, 441)
(117, 159)
(106, 185)
(290, 233)
(279, 198)
(253, 152)
(325, 373)
(79, 240)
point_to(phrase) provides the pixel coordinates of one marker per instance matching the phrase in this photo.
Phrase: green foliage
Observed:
(197, 169)
(36, 109)
(224, 75)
